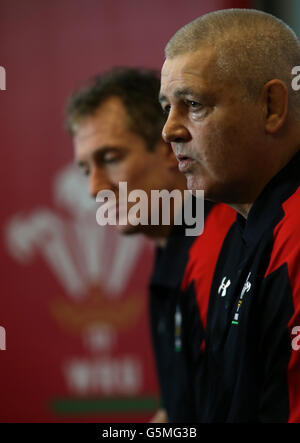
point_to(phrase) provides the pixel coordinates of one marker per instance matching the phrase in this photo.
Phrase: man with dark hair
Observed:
(116, 124)
(233, 122)
(134, 88)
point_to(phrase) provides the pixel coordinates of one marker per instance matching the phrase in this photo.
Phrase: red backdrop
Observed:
(73, 296)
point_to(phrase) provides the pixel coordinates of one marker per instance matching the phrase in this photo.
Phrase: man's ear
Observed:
(275, 98)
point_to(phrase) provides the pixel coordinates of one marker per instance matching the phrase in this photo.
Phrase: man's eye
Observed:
(194, 105)
(110, 158)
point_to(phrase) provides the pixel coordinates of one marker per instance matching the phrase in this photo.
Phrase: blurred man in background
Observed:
(116, 123)
(234, 125)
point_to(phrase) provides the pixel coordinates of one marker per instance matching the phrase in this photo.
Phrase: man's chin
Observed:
(194, 183)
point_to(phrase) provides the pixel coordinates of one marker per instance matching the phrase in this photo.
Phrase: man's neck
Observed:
(244, 208)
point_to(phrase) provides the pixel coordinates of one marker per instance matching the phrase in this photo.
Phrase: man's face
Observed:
(109, 153)
(215, 132)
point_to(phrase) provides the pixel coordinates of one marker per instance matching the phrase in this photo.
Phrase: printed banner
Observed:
(74, 332)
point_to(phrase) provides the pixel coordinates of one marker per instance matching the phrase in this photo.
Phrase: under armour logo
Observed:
(223, 287)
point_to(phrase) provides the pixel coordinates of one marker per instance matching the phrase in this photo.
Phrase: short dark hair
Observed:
(137, 88)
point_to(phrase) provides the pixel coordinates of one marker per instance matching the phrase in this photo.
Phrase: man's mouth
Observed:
(184, 162)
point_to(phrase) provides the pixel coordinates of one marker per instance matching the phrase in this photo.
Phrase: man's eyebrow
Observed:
(182, 92)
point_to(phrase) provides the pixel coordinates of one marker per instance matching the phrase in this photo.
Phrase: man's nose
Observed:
(174, 129)
(98, 181)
